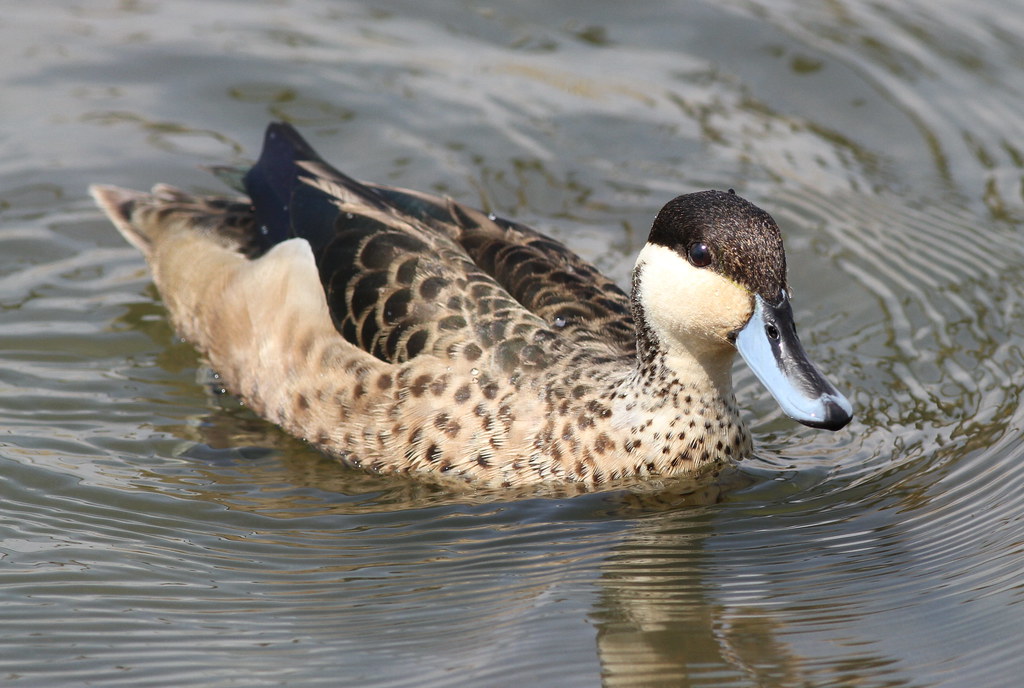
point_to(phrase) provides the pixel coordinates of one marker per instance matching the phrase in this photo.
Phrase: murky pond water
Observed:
(154, 533)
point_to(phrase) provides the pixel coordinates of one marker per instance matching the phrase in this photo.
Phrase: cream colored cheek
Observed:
(685, 302)
(732, 307)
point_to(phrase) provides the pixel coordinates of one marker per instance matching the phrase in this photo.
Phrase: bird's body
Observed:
(402, 332)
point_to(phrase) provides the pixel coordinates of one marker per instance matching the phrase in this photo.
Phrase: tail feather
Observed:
(118, 203)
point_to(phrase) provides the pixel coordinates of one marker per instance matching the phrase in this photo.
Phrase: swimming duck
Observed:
(404, 332)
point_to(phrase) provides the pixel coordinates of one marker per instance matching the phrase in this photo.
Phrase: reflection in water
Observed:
(659, 626)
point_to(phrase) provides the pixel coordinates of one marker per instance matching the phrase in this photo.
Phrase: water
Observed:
(152, 532)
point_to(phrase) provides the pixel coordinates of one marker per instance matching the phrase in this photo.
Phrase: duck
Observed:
(402, 332)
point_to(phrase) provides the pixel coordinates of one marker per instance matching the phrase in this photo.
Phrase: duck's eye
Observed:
(699, 255)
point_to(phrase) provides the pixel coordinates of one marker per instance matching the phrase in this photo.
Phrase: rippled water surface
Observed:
(155, 533)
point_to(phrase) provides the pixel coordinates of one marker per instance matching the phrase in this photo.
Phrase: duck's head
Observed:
(711, 281)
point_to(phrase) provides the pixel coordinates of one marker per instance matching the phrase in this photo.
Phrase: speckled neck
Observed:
(682, 427)
(679, 402)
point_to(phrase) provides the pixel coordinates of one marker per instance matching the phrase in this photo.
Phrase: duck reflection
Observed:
(660, 624)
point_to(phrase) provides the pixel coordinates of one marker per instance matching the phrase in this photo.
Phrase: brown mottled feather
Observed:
(416, 273)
